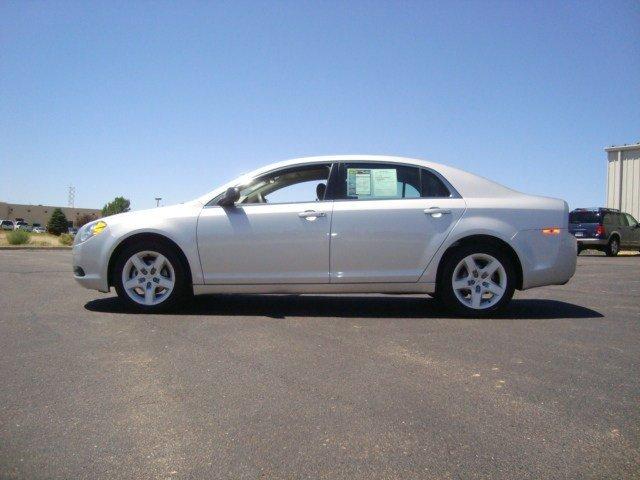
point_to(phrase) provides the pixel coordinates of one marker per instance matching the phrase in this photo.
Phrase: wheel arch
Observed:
(146, 236)
(487, 240)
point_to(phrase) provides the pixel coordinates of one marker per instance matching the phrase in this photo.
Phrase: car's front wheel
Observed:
(477, 280)
(150, 277)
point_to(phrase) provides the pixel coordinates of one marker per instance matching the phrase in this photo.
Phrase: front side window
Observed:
(632, 222)
(291, 185)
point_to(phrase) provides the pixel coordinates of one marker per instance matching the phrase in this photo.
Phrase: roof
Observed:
(596, 209)
(619, 148)
(467, 184)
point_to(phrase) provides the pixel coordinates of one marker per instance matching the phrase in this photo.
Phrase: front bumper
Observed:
(89, 258)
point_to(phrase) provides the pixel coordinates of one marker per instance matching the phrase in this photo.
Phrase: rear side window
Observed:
(612, 219)
(432, 186)
(371, 181)
(584, 217)
(379, 181)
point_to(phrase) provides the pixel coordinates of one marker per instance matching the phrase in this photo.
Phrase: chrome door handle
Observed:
(311, 214)
(436, 211)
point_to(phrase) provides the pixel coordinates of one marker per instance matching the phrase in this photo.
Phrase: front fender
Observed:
(177, 223)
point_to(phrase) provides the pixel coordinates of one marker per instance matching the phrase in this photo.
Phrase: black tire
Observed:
(580, 249)
(613, 247)
(445, 288)
(181, 288)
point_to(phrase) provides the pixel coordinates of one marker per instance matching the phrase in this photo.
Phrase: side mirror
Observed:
(230, 197)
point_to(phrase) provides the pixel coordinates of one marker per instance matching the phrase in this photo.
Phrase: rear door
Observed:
(388, 221)
(634, 231)
(616, 224)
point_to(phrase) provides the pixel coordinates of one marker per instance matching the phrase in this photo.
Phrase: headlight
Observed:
(90, 230)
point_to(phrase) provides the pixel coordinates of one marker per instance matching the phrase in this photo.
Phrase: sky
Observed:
(171, 99)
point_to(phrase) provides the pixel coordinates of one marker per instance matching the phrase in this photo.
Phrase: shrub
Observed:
(66, 239)
(18, 237)
(57, 223)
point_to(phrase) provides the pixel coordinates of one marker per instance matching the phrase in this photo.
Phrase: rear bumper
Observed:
(545, 259)
(588, 242)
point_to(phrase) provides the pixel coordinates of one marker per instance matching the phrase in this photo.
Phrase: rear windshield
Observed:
(584, 217)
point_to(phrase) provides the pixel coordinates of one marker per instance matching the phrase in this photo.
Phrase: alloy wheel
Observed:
(615, 246)
(479, 281)
(148, 278)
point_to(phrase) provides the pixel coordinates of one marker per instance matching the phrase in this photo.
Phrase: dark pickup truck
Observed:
(605, 229)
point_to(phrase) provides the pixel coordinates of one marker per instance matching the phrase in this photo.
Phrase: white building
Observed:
(623, 178)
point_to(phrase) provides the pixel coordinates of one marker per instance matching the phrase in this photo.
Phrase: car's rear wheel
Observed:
(613, 247)
(150, 277)
(477, 280)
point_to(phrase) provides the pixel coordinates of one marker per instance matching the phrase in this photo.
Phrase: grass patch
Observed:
(66, 239)
(36, 240)
(18, 237)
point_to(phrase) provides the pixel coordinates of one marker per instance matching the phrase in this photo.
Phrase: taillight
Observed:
(599, 231)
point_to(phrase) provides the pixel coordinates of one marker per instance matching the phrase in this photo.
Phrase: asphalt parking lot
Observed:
(318, 386)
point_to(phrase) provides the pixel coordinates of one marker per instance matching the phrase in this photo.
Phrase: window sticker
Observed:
(372, 182)
(363, 183)
(385, 182)
(358, 181)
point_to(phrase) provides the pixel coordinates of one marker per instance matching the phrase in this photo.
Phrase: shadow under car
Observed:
(348, 306)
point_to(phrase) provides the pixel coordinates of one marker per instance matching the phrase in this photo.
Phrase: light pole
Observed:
(158, 201)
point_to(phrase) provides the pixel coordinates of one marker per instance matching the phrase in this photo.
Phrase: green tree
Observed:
(119, 205)
(58, 222)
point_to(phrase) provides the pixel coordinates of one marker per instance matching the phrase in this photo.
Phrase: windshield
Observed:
(584, 217)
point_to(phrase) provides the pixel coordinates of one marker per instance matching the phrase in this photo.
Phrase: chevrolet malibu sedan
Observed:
(340, 224)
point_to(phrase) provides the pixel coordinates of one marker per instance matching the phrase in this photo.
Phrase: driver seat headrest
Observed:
(320, 190)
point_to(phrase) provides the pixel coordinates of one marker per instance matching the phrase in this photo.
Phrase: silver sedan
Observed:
(339, 224)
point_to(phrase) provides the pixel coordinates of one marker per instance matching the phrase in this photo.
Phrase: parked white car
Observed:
(38, 229)
(339, 224)
(22, 225)
(6, 225)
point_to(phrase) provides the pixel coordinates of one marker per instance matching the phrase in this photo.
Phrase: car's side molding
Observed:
(280, 288)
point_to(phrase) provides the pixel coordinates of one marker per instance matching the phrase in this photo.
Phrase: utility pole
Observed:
(72, 196)
(158, 201)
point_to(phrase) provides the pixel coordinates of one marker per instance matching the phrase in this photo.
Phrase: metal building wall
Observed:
(623, 179)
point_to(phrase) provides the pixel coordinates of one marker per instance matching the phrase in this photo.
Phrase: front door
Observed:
(278, 232)
(634, 231)
(388, 222)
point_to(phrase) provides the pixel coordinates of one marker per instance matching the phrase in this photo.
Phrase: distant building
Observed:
(623, 178)
(42, 213)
